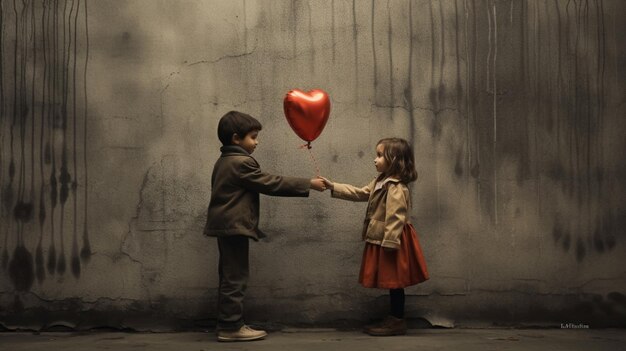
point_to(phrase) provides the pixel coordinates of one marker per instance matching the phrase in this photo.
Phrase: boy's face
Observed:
(248, 142)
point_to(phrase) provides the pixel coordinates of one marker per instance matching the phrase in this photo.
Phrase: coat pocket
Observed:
(375, 230)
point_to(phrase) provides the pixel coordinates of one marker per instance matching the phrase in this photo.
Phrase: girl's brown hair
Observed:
(399, 156)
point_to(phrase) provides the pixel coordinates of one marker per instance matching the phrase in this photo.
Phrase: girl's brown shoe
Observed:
(388, 327)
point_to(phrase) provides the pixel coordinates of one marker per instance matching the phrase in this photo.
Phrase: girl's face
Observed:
(381, 164)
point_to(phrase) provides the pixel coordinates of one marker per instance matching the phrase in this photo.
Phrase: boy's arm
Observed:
(351, 192)
(254, 179)
(396, 208)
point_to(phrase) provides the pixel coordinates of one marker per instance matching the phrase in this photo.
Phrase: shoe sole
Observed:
(251, 338)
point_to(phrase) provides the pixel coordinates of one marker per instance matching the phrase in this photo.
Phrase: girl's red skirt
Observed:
(395, 268)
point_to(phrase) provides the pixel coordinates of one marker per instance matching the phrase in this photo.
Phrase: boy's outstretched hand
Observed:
(327, 183)
(317, 184)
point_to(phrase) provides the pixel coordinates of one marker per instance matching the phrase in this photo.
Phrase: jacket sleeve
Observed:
(351, 192)
(396, 208)
(252, 178)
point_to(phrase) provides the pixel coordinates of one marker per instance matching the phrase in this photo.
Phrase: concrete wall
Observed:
(108, 137)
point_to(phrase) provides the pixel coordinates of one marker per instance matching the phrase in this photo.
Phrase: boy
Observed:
(233, 216)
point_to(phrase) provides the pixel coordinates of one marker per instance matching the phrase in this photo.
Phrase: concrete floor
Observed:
(328, 340)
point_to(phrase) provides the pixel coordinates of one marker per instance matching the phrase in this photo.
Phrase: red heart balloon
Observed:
(307, 113)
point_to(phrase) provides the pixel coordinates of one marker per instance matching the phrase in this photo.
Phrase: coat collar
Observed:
(228, 150)
(380, 185)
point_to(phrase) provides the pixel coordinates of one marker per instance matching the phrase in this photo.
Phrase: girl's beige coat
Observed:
(387, 209)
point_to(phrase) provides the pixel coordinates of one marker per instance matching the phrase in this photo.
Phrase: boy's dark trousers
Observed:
(233, 274)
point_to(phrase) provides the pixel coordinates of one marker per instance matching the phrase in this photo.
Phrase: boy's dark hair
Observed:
(399, 156)
(235, 122)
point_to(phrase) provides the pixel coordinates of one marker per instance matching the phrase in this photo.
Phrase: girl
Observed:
(392, 258)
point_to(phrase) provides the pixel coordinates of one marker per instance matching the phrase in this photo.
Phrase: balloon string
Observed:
(308, 146)
(317, 168)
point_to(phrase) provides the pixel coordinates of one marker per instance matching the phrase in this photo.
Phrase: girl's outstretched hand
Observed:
(327, 183)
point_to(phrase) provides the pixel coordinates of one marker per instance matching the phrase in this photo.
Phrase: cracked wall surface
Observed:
(108, 137)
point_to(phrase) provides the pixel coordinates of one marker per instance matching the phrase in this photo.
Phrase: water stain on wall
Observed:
(536, 93)
(43, 133)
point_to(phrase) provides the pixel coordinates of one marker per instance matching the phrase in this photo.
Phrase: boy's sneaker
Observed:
(245, 333)
(388, 327)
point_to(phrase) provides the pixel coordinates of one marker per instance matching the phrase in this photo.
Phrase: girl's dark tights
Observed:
(396, 299)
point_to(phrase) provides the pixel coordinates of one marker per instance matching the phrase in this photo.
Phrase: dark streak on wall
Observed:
(45, 114)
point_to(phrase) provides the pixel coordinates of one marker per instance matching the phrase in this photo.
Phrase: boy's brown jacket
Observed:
(236, 183)
(387, 209)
